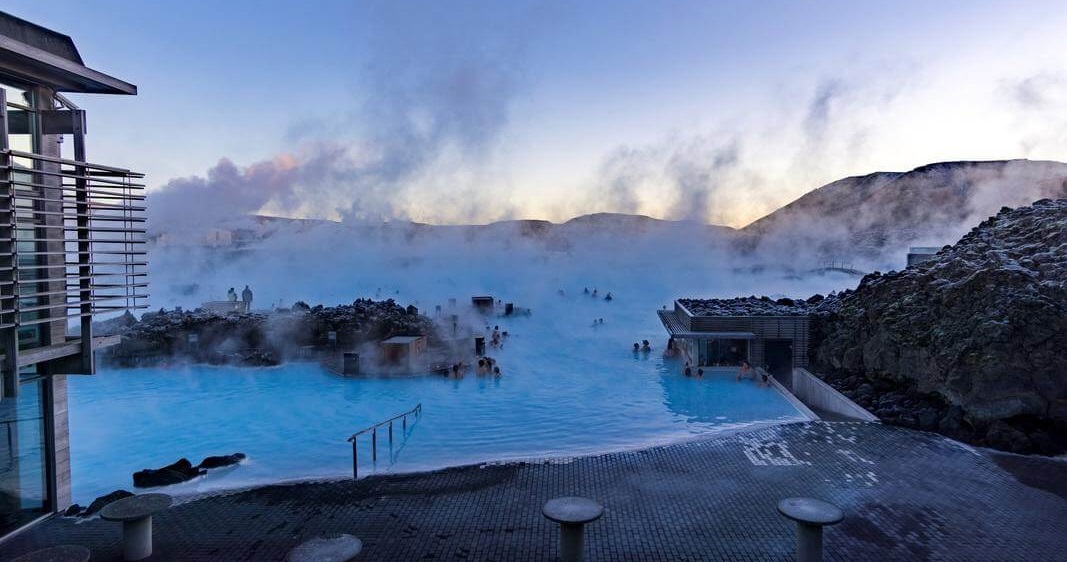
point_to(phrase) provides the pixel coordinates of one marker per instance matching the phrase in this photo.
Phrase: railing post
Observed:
(9, 377)
(390, 433)
(85, 246)
(374, 444)
(405, 422)
(355, 460)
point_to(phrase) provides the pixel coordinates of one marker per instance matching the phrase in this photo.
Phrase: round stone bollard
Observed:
(572, 514)
(135, 513)
(811, 516)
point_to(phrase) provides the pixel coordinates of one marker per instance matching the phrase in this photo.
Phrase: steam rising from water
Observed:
(332, 263)
(419, 138)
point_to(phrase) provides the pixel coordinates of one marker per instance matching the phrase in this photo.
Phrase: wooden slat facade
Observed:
(792, 328)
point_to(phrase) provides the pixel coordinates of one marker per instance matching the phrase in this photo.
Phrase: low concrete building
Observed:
(920, 254)
(483, 303)
(403, 351)
(714, 336)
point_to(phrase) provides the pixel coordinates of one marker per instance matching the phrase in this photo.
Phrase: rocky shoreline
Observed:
(972, 343)
(255, 339)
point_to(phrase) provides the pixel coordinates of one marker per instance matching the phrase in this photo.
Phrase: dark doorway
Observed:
(778, 355)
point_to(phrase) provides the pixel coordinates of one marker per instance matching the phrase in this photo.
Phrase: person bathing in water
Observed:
(670, 351)
(746, 371)
(637, 348)
(609, 297)
(645, 346)
(688, 370)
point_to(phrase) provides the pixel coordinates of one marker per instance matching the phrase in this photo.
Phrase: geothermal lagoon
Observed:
(569, 387)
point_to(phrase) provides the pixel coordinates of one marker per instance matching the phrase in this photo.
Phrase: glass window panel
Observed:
(17, 96)
(23, 454)
(29, 336)
(723, 352)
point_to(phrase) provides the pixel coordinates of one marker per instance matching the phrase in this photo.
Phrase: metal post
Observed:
(137, 538)
(405, 422)
(9, 385)
(355, 460)
(85, 271)
(571, 542)
(809, 543)
(572, 514)
(811, 515)
(374, 444)
(390, 433)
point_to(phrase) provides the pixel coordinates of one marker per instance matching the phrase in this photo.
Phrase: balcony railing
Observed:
(72, 239)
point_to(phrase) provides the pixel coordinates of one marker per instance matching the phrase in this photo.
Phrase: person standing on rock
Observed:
(246, 296)
(231, 295)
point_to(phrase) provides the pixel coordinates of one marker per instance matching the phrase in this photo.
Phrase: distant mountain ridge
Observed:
(866, 216)
(871, 218)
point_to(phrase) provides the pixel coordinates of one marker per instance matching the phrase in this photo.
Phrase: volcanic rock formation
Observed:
(982, 326)
(254, 339)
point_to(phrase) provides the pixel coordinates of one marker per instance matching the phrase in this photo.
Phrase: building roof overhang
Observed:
(677, 330)
(402, 340)
(61, 74)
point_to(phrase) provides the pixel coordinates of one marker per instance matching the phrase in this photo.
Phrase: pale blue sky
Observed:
(549, 110)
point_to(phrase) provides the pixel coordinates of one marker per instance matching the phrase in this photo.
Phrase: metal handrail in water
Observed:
(416, 412)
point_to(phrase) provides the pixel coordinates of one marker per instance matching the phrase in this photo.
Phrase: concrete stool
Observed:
(62, 553)
(572, 514)
(135, 512)
(811, 516)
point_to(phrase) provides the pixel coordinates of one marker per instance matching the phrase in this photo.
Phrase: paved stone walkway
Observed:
(907, 496)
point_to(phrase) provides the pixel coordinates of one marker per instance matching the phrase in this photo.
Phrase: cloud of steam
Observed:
(842, 115)
(1042, 103)
(698, 171)
(679, 179)
(1037, 92)
(227, 192)
(433, 107)
(827, 94)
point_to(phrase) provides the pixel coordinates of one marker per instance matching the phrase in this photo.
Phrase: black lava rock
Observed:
(176, 473)
(100, 502)
(222, 460)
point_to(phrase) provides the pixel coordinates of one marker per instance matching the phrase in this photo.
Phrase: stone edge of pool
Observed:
(791, 398)
(728, 432)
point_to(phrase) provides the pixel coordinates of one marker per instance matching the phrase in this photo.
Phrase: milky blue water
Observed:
(566, 390)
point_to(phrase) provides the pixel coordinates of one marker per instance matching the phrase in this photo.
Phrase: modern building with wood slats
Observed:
(72, 246)
(775, 342)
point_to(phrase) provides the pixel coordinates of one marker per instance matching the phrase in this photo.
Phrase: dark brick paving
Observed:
(906, 495)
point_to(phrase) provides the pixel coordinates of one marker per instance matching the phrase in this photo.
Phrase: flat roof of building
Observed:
(402, 339)
(42, 56)
(677, 330)
(746, 306)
